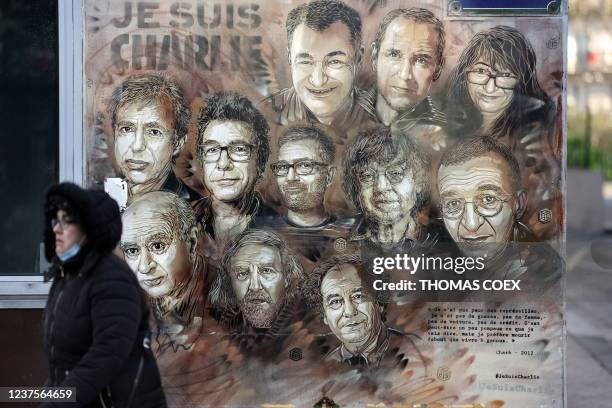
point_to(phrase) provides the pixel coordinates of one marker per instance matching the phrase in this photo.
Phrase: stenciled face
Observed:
(303, 192)
(227, 179)
(406, 63)
(387, 192)
(144, 136)
(256, 274)
(489, 98)
(67, 232)
(153, 250)
(322, 67)
(484, 182)
(349, 311)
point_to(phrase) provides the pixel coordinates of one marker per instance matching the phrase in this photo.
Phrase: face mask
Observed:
(69, 253)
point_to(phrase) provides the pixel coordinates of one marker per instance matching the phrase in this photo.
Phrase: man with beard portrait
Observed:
(256, 289)
(304, 171)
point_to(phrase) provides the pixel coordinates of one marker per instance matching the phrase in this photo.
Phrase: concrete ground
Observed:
(589, 320)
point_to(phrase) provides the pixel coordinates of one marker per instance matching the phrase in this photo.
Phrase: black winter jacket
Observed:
(96, 319)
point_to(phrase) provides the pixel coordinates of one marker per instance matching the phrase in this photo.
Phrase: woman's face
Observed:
(67, 232)
(491, 88)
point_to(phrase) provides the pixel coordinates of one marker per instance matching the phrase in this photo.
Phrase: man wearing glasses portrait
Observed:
(387, 179)
(482, 202)
(232, 150)
(304, 171)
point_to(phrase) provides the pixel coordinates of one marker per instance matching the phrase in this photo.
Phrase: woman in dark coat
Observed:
(95, 324)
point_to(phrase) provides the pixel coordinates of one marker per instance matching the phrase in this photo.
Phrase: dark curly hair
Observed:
(319, 15)
(230, 106)
(377, 145)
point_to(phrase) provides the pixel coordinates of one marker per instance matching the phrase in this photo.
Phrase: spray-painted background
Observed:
(269, 154)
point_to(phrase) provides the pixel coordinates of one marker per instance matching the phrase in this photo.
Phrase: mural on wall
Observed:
(336, 203)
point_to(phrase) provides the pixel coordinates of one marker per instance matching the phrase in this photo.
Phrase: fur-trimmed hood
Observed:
(98, 213)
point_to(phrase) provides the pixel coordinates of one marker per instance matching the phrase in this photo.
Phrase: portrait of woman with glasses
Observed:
(495, 92)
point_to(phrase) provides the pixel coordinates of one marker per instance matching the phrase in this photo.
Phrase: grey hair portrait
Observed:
(297, 133)
(418, 15)
(149, 89)
(479, 147)
(377, 145)
(180, 218)
(221, 294)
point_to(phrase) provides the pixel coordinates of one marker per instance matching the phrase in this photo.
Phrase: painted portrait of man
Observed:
(387, 180)
(325, 51)
(482, 202)
(407, 56)
(150, 118)
(232, 150)
(258, 278)
(481, 198)
(341, 289)
(303, 172)
(271, 155)
(159, 242)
